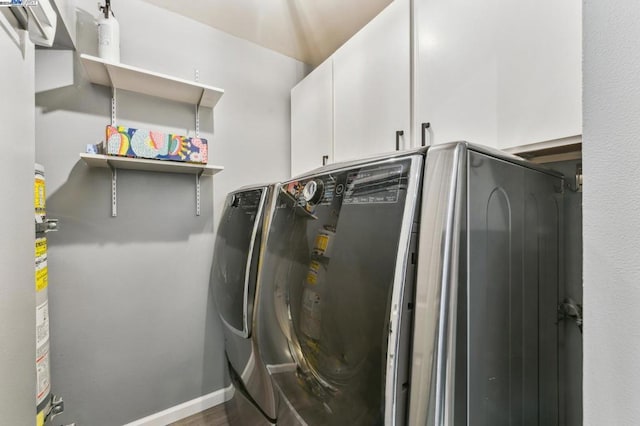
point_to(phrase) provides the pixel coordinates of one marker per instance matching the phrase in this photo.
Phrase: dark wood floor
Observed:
(215, 416)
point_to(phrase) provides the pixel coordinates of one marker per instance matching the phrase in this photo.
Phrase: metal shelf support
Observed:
(198, 193)
(113, 106)
(114, 190)
(197, 78)
(197, 121)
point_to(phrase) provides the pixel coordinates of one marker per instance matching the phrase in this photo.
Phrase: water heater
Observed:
(47, 406)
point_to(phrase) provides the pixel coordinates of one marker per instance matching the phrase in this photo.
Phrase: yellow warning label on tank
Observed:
(39, 195)
(312, 275)
(40, 419)
(42, 279)
(41, 247)
(321, 243)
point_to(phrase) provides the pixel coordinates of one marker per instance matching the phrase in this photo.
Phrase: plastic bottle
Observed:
(108, 34)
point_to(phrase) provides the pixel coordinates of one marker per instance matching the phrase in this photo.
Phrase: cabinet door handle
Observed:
(425, 126)
(325, 160)
(398, 134)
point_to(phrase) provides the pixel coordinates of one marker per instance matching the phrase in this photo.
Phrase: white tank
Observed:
(43, 373)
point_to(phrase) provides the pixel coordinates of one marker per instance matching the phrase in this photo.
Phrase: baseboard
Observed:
(186, 409)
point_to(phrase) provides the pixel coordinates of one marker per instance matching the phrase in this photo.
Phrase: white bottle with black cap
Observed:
(108, 34)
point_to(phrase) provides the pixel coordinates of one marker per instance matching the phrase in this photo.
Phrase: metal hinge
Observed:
(579, 177)
(578, 180)
(569, 309)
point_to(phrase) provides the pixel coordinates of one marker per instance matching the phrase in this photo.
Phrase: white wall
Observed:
(134, 327)
(17, 286)
(611, 160)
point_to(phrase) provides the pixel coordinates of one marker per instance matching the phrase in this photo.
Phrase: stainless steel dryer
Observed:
(335, 284)
(418, 288)
(233, 280)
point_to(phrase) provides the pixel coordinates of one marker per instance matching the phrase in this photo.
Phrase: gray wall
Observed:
(611, 153)
(17, 288)
(134, 330)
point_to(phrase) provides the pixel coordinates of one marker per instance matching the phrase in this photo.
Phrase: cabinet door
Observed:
(312, 120)
(498, 73)
(455, 79)
(17, 291)
(539, 71)
(372, 87)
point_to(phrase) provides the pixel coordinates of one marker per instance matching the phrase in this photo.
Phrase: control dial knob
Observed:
(313, 191)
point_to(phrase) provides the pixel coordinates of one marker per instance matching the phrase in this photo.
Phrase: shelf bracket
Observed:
(113, 106)
(114, 190)
(197, 79)
(197, 121)
(198, 193)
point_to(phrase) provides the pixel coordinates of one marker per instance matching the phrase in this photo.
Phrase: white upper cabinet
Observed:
(498, 72)
(539, 71)
(456, 64)
(371, 83)
(312, 120)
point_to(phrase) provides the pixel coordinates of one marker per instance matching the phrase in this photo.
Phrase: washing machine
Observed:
(236, 259)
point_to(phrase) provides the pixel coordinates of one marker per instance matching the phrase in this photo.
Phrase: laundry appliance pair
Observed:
(419, 287)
